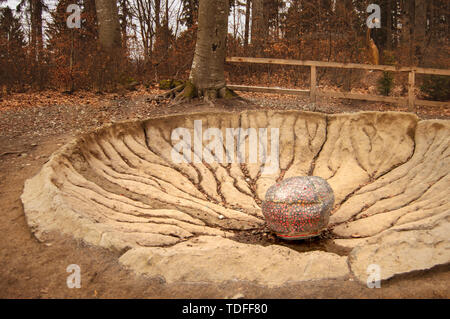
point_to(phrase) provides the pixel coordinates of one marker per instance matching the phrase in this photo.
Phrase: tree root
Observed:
(187, 91)
(10, 152)
(170, 94)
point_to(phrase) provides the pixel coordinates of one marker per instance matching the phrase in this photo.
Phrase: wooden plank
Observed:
(316, 63)
(431, 71)
(365, 97)
(338, 65)
(268, 61)
(313, 84)
(432, 103)
(264, 89)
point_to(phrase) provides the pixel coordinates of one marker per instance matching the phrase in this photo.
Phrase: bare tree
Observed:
(36, 42)
(142, 10)
(12, 57)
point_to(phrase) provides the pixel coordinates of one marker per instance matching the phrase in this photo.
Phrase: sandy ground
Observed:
(30, 133)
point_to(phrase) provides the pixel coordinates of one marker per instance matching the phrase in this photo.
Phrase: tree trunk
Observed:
(420, 26)
(247, 22)
(108, 25)
(36, 42)
(343, 12)
(259, 26)
(166, 30)
(157, 15)
(162, 37)
(388, 25)
(207, 71)
(373, 53)
(125, 22)
(407, 36)
(36, 29)
(109, 36)
(90, 16)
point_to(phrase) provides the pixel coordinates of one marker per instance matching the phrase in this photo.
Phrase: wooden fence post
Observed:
(411, 94)
(312, 88)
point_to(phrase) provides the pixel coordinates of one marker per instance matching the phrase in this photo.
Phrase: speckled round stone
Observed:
(298, 207)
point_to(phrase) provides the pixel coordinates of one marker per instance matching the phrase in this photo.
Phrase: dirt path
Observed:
(30, 269)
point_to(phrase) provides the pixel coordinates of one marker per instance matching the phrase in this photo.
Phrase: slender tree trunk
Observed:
(157, 15)
(161, 47)
(207, 71)
(388, 25)
(420, 26)
(124, 23)
(373, 53)
(192, 8)
(36, 42)
(72, 53)
(91, 24)
(247, 22)
(36, 29)
(407, 36)
(259, 26)
(166, 35)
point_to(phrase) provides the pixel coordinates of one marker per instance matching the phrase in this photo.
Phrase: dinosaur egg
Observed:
(298, 207)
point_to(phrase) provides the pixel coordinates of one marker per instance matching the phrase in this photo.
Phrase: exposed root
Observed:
(187, 91)
(10, 152)
(171, 93)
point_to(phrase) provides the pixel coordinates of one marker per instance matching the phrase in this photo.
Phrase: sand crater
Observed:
(119, 187)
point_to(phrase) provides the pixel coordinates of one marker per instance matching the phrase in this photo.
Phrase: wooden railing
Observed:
(314, 92)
